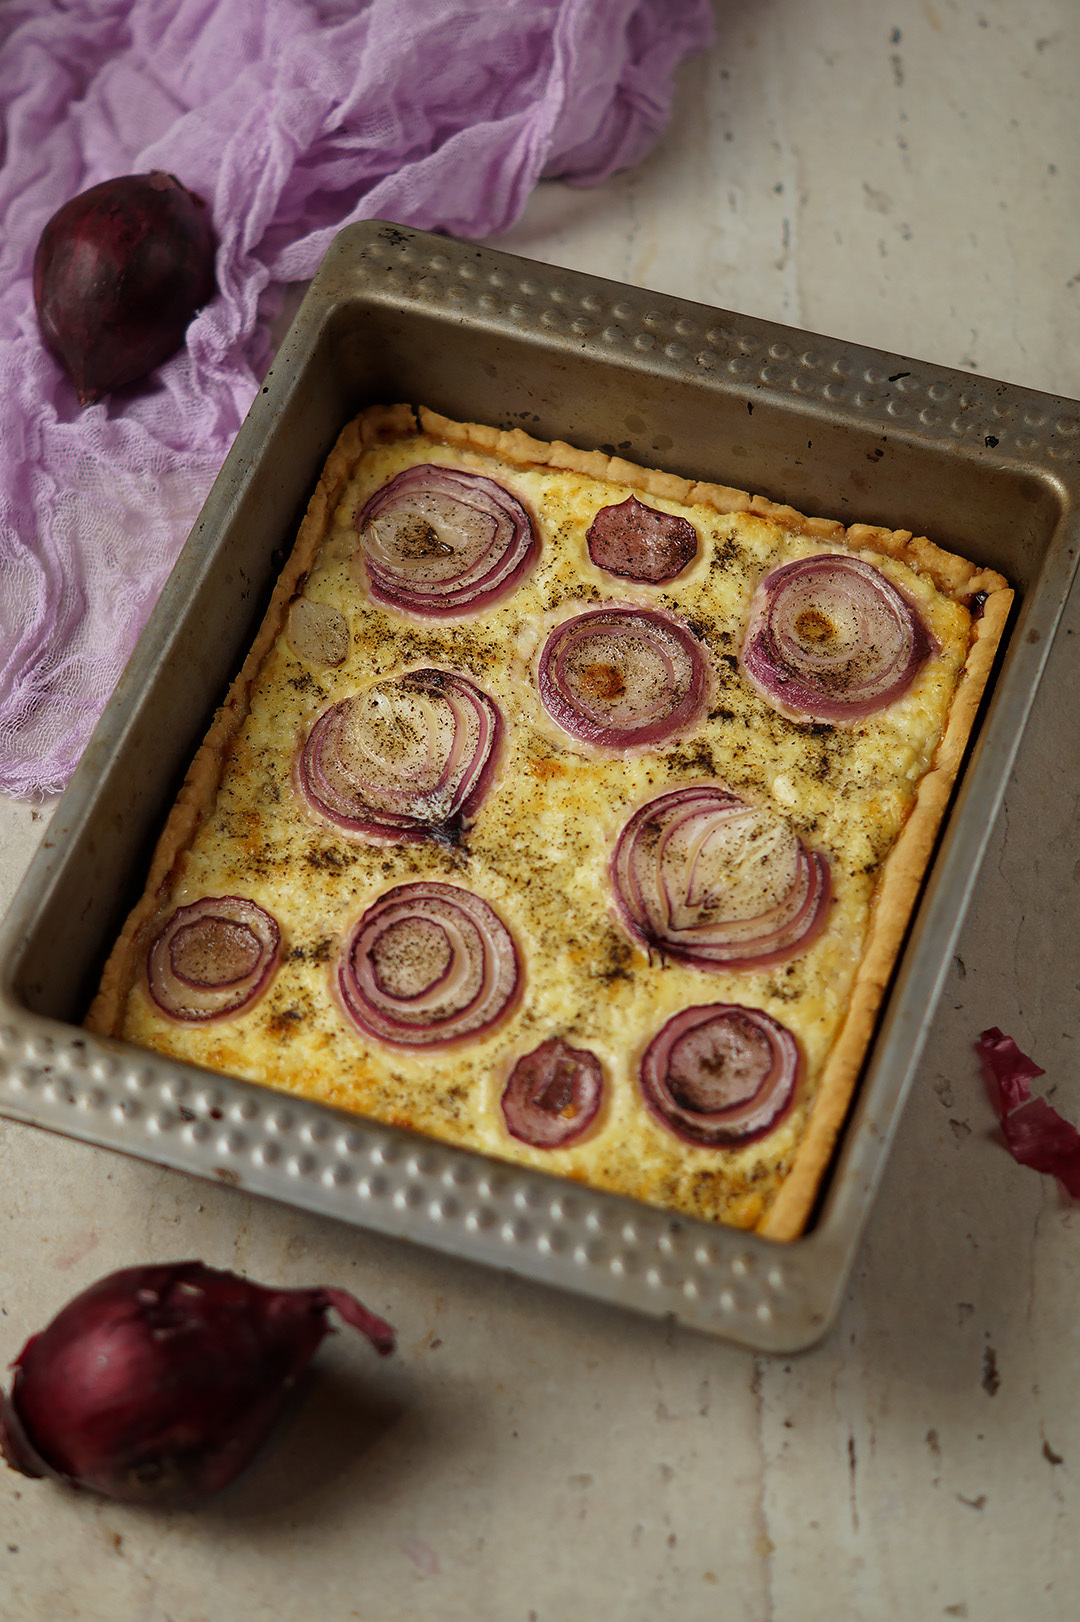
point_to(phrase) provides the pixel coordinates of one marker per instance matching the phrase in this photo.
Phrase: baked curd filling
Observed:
(557, 814)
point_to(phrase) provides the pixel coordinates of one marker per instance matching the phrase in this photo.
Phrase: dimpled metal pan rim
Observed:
(831, 428)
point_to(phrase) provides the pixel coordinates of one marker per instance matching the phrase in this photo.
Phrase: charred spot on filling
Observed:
(319, 951)
(615, 959)
(283, 1024)
(696, 757)
(419, 539)
(601, 681)
(329, 859)
(814, 627)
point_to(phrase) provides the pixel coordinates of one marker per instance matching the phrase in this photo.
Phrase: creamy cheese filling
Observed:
(540, 849)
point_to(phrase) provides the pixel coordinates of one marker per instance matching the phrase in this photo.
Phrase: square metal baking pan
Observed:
(837, 431)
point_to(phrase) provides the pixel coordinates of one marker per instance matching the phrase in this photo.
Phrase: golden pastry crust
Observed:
(773, 1185)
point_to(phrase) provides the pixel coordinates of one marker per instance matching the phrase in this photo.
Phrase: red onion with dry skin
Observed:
(640, 543)
(118, 274)
(158, 1385)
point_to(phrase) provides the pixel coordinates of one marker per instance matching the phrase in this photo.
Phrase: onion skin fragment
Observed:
(428, 965)
(553, 1095)
(440, 542)
(740, 1061)
(831, 638)
(622, 677)
(702, 876)
(158, 1384)
(220, 933)
(119, 272)
(637, 542)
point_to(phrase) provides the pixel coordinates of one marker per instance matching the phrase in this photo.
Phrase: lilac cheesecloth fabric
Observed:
(292, 118)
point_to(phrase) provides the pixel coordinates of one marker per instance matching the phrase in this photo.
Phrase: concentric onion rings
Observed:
(720, 1075)
(703, 876)
(622, 677)
(428, 964)
(441, 542)
(213, 958)
(831, 637)
(409, 758)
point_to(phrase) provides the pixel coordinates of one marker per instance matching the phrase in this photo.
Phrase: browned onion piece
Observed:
(622, 677)
(410, 758)
(441, 542)
(721, 1074)
(213, 958)
(832, 638)
(703, 876)
(639, 543)
(428, 964)
(553, 1094)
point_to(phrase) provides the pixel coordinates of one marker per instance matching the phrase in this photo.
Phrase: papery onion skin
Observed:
(640, 543)
(454, 961)
(796, 652)
(118, 274)
(721, 1049)
(158, 1384)
(1008, 1071)
(658, 884)
(459, 580)
(587, 667)
(553, 1095)
(243, 928)
(403, 808)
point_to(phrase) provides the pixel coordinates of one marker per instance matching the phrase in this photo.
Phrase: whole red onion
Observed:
(159, 1384)
(118, 274)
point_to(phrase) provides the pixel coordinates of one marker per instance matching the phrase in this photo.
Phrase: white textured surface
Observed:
(901, 176)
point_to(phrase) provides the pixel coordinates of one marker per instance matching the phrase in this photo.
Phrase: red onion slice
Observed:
(721, 1074)
(832, 638)
(213, 958)
(428, 964)
(410, 758)
(622, 677)
(441, 542)
(703, 876)
(553, 1095)
(318, 632)
(639, 543)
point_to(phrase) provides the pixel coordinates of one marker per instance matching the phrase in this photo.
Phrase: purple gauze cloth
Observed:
(291, 118)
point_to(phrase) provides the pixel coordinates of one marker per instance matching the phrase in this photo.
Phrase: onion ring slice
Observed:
(213, 958)
(703, 876)
(831, 637)
(410, 758)
(427, 965)
(720, 1075)
(440, 542)
(622, 677)
(553, 1095)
